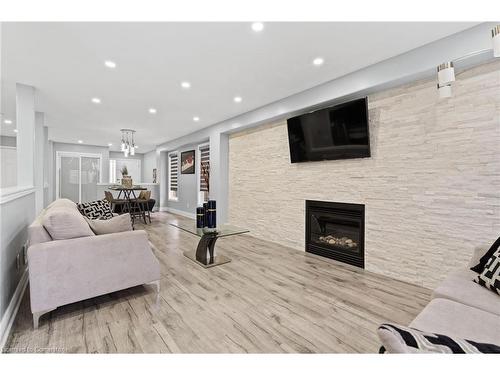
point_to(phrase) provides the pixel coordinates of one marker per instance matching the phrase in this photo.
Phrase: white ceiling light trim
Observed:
(110, 64)
(96, 100)
(196, 119)
(237, 99)
(15, 130)
(7, 122)
(257, 26)
(318, 61)
(185, 85)
(80, 141)
(152, 111)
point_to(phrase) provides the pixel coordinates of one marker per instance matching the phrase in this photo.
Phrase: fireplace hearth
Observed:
(337, 231)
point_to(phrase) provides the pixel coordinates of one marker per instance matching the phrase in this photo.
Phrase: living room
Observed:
(236, 197)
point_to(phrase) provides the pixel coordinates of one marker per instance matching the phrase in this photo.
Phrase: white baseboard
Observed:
(10, 314)
(178, 212)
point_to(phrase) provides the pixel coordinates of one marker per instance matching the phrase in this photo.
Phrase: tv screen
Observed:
(338, 132)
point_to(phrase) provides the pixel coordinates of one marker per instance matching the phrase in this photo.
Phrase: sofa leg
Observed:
(37, 315)
(156, 284)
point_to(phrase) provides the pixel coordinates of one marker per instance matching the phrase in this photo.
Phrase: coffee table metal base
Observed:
(212, 262)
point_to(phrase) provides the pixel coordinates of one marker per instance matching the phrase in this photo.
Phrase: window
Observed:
(173, 167)
(204, 168)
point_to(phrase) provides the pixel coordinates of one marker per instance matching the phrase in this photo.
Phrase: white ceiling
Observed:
(65, 62)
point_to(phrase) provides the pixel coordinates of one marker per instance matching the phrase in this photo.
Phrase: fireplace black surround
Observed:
(337, 231)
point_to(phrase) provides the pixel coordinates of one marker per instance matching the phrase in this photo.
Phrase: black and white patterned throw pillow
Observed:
(490, 277)
(484, 259)
(400, 339)
(96, 210)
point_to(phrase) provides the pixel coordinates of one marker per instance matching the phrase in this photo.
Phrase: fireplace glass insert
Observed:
(336, 230)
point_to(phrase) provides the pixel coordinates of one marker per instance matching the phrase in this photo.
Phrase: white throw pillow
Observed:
(117, 224)
(64, 223)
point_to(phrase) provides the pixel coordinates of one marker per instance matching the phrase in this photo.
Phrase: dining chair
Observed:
(114, 201)
(143, 200)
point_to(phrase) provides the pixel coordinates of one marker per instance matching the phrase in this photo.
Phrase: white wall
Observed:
(17, 211)
(149, 163)
(8, 160)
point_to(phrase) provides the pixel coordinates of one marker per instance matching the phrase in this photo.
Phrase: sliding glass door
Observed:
(78, 176)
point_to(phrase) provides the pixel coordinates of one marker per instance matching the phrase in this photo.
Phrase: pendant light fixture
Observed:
(128, 142)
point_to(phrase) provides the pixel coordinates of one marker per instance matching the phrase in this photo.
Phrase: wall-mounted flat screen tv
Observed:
(338, 132)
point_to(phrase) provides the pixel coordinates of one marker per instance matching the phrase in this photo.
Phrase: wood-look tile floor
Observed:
(269, 299)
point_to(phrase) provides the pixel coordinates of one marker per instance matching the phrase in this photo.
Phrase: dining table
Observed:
(131, 202)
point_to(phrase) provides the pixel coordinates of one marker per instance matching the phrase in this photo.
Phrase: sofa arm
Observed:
(67, 271)
(477, 254)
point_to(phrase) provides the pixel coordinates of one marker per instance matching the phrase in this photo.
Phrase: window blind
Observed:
(205, 167)
(174, 166)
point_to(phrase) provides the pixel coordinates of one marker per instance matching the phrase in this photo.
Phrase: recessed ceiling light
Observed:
(8, 122)
(152, 110)
(80, 141)
(15, 130)
(185, 85)
(257, 26)
(96, 100)
(196, 118)
(110, 64)
(318, 61)
(237, 99)
(110, 144)
(136, 146)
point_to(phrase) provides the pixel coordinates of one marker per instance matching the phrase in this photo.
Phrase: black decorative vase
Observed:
(212, 214)
(205, 215)
(200, 217)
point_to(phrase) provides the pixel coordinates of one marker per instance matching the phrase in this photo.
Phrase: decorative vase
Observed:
(127, 181)
(200, 217)
(212, 214)
(205, 215)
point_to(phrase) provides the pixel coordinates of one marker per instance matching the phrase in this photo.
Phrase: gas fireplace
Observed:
(337, 231)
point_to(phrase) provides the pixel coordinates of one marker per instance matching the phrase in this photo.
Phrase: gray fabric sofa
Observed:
(69, 270)
(461, 308)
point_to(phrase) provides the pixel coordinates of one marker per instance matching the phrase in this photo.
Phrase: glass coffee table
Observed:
(205, 252)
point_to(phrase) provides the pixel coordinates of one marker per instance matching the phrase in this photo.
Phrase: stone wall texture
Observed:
(431, 187)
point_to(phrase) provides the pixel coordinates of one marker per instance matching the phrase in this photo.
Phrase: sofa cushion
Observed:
(400, 339)
(458, 286)
(121, 223)
(457, 320)
(484, 259)
(62, 202)
(37, 232)
(96, 210)
(64, 223)
(490, 277)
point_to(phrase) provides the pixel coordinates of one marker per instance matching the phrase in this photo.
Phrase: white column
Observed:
(162, 173)
(25, 119)
(219, 161)
(39, 160)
